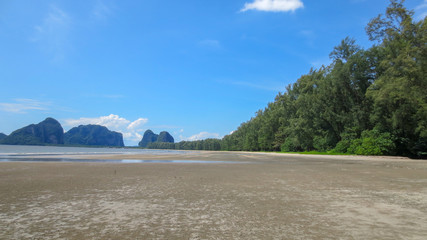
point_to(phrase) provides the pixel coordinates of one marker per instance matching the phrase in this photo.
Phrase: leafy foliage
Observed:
(370, 101)
(372, 142)
(207, 144)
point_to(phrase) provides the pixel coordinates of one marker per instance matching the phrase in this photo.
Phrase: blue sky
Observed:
(194, 68)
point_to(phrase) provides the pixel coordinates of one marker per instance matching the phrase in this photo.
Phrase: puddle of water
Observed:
(171, 161)
(107, 160)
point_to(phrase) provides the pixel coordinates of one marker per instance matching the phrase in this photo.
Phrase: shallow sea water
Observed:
(19, 153)
(20, 150)
(106, 160)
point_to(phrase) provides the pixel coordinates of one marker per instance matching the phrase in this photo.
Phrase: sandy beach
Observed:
(235, 196)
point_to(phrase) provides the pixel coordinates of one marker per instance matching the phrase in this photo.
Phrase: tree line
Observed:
(368, 102)
(211, 144)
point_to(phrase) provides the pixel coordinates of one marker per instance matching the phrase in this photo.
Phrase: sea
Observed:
(20, 153)
(20, 150)
(12, 153)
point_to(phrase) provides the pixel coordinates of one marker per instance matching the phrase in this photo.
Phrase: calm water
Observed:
(106, 160)
(17, 153)
(23, 151)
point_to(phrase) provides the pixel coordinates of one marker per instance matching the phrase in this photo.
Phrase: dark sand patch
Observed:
(279, 197)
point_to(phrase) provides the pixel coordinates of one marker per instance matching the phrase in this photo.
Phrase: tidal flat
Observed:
(214, 195)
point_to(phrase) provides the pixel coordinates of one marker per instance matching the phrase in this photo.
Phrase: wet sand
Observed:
(252, 196)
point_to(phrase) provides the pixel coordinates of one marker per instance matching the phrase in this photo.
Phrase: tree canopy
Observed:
(371, 101)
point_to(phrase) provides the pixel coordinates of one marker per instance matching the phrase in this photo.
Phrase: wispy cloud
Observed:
(131, 130)
(273, 5)
(53, 33)
(210, 43)
(309, 36)
(102, 10)
(23, 105)
(200, 136)
(421, 10)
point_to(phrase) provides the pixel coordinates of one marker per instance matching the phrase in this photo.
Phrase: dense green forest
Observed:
(207, 144)
(371, 101)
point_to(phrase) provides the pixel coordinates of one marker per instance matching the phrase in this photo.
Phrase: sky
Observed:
(197, 69)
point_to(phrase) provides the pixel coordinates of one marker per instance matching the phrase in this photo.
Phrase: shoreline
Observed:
(169, 152)
(205, 155)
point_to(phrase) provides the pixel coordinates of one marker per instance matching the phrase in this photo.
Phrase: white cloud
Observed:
(23, 105)
(137, 123)
(201, 136)
(111, 121)
(52, 33)
(273, 5)
(131, 130)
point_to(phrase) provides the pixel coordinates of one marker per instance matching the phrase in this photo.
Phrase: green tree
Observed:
(399, 93)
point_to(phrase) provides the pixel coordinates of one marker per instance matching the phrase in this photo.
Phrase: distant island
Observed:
(150, 138)
(93, 135)
(2, 135)
(50, 132)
